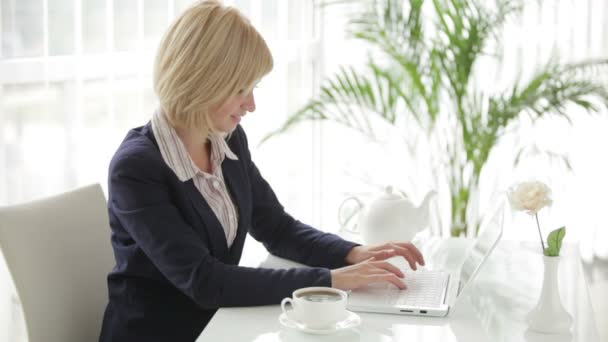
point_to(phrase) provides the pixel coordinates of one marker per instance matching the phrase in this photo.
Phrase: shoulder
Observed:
(137, 152)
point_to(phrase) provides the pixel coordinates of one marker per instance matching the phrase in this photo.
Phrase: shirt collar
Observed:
(176, 156)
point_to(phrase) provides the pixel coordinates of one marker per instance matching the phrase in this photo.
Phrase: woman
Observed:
(184, 192)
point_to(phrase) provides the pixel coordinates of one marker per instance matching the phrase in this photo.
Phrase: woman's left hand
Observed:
(384, 251)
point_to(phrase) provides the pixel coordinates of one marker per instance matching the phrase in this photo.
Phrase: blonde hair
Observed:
(209, 54)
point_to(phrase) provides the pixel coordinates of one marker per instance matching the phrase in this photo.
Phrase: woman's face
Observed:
(227, 116)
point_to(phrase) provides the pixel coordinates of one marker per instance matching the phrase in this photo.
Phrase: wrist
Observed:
(352, 256)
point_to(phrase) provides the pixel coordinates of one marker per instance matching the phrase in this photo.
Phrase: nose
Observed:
(249, 103)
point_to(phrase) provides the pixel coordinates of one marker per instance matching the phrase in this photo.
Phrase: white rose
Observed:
(530, 196)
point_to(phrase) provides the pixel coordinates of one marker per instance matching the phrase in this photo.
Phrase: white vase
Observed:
(549, 315)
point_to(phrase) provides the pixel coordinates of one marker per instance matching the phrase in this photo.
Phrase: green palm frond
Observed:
(349, 97)
(385, 25)
(549, 92)
(465, 28)
(401, 38)
(552, 156)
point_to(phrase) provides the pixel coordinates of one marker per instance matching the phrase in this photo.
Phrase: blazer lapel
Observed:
(219, 247)
(232, 172)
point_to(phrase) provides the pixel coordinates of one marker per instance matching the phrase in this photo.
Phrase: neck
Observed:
(192, 138)
(198, 147)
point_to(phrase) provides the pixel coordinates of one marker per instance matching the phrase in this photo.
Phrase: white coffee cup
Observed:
(316, 307)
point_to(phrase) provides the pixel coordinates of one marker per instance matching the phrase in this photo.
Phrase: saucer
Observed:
(352, 320)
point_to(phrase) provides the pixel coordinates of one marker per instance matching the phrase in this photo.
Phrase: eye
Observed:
(245, 92)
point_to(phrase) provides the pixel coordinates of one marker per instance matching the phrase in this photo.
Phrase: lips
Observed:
(236, 118)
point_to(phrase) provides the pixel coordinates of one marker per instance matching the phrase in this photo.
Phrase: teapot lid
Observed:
(388, 194)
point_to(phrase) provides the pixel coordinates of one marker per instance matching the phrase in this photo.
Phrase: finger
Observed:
(416, 252)
(413, 250)
(368, 260)
(385, 254)
(386, 277)
(407, 255)
(377, 271)
(388, 267)
(386, 245)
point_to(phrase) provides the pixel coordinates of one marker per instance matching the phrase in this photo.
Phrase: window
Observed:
(75, 75)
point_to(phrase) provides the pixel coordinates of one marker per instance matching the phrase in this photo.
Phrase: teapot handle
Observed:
(343, 221)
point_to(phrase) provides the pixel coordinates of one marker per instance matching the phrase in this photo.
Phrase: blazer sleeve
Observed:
(280, 233)
(141, 201)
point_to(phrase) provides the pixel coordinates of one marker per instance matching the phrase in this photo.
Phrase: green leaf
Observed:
(554, 242)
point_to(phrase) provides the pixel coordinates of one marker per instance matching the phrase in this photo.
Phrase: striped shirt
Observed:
(211, 185)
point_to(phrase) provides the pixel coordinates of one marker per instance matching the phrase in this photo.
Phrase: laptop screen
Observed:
(489, 235)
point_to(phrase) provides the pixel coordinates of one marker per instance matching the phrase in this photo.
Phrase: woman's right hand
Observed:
(366, 272)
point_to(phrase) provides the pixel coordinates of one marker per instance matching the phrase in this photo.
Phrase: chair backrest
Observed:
(58, 253)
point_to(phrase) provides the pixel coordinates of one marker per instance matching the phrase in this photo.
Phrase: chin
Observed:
(228, 129)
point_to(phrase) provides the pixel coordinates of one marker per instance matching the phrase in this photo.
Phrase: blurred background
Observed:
(75, 75)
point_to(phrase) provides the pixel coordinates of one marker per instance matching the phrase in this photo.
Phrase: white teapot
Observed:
(389, 217)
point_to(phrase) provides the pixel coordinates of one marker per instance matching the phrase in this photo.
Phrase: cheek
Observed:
(221, 113)
(227, 110)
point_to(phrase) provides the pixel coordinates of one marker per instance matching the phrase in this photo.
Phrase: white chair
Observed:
(58, 252)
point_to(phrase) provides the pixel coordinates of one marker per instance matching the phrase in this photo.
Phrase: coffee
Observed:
(320, 296)
(316, 307)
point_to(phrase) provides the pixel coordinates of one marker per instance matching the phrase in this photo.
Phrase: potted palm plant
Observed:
(421, 72)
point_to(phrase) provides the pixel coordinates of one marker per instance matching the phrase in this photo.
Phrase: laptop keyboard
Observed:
(424, 289)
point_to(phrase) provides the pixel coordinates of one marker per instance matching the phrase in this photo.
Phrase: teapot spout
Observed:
(424, 209)
(425, 202)
(419, 218)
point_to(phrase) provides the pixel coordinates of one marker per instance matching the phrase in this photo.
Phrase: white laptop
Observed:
(431, 293)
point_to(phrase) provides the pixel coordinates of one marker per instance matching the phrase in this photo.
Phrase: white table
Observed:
(493, 308)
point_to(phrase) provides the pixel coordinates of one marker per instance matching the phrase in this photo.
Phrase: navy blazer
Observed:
(173, 266)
